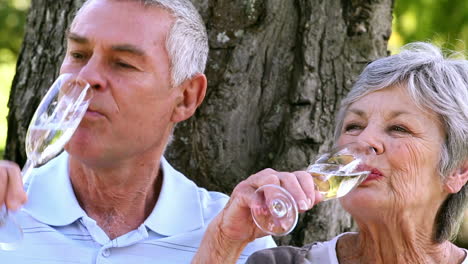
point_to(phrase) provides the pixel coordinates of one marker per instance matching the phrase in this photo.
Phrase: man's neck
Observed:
(119, 199)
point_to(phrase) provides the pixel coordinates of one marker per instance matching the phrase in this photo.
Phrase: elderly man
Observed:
(112, 197)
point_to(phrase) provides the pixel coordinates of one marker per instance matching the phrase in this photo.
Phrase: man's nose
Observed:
(93, 73)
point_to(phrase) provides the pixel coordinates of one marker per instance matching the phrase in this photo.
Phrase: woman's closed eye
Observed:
(352, 128)
(399, 129)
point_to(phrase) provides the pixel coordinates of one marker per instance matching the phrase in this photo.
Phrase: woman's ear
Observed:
(457, 179)
(192, 93)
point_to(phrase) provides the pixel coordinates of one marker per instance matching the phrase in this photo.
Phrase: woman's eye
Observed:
(399, 129)
(351, 127)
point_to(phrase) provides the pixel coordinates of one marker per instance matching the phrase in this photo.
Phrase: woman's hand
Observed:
(236, 221)
(234, 227)
(11, 186)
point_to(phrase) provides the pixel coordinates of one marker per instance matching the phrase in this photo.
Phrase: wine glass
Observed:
(335, 174)
(54, 122)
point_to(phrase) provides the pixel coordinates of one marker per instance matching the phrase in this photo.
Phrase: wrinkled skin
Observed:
(408, 142)
(119, 48)
(395, 209)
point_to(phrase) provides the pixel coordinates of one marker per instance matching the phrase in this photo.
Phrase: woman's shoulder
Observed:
(318, 252)
(465, 261)
(281, 254)
(325, 252)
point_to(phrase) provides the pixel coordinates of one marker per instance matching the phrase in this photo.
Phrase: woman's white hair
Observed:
(437, 84)
(187, 41)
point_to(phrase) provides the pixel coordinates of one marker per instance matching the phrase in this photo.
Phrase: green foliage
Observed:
(444, 22)
(12, 20)
(7, 71)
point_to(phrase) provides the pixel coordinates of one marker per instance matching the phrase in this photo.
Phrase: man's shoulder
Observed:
(211, 202)
(212, 197)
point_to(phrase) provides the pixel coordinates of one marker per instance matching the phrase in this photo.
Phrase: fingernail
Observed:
(310, 202)
(13, 205)
(303, 205)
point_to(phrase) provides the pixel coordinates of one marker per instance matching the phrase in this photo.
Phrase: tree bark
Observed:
(38, 65)
(277, 71)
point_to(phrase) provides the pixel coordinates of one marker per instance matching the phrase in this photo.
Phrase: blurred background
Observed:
(444, 22)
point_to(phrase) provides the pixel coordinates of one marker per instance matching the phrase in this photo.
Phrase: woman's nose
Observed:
(375, 140)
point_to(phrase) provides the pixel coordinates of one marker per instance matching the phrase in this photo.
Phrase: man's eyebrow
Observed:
(128, 48)
(77, 38)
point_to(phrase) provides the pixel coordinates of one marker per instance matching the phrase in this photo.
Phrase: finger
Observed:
(263, 177)
(3, 184)
(318, 197)
(290, 182)
(307, 184)
(253, 183)
(15, 196)
(244, 192)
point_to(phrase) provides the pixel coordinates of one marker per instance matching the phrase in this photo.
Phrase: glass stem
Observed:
(3, 215)
(27, 169)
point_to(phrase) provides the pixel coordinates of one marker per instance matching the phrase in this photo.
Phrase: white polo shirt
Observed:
(57, 230)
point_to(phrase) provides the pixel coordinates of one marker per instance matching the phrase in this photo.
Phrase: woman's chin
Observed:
(363, 199)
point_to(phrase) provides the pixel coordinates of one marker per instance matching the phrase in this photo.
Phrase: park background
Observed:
(444, 22)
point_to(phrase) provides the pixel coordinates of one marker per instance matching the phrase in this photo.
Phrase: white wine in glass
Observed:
(53, 124)
(335, 174)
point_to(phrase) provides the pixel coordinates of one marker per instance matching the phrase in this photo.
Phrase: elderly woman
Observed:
(412, 109)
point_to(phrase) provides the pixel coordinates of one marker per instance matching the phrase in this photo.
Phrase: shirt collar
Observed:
(51, 199)
(179, 208)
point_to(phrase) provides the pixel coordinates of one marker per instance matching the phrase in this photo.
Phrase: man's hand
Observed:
(234, 227)
(11, 186)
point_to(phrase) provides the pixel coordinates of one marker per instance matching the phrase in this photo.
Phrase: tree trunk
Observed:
(38, 65)
(277, 71)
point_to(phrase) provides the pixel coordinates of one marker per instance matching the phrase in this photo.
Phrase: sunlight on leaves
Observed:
(21, 4)
(7, 72)
(408, 22)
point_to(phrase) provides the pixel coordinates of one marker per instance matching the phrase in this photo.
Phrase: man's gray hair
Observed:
(187, 41)
(437, 84)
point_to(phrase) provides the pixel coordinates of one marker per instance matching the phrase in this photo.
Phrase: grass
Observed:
(7, 71)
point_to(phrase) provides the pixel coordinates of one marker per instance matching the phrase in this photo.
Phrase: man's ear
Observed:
(192, 93)
(457, 179)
